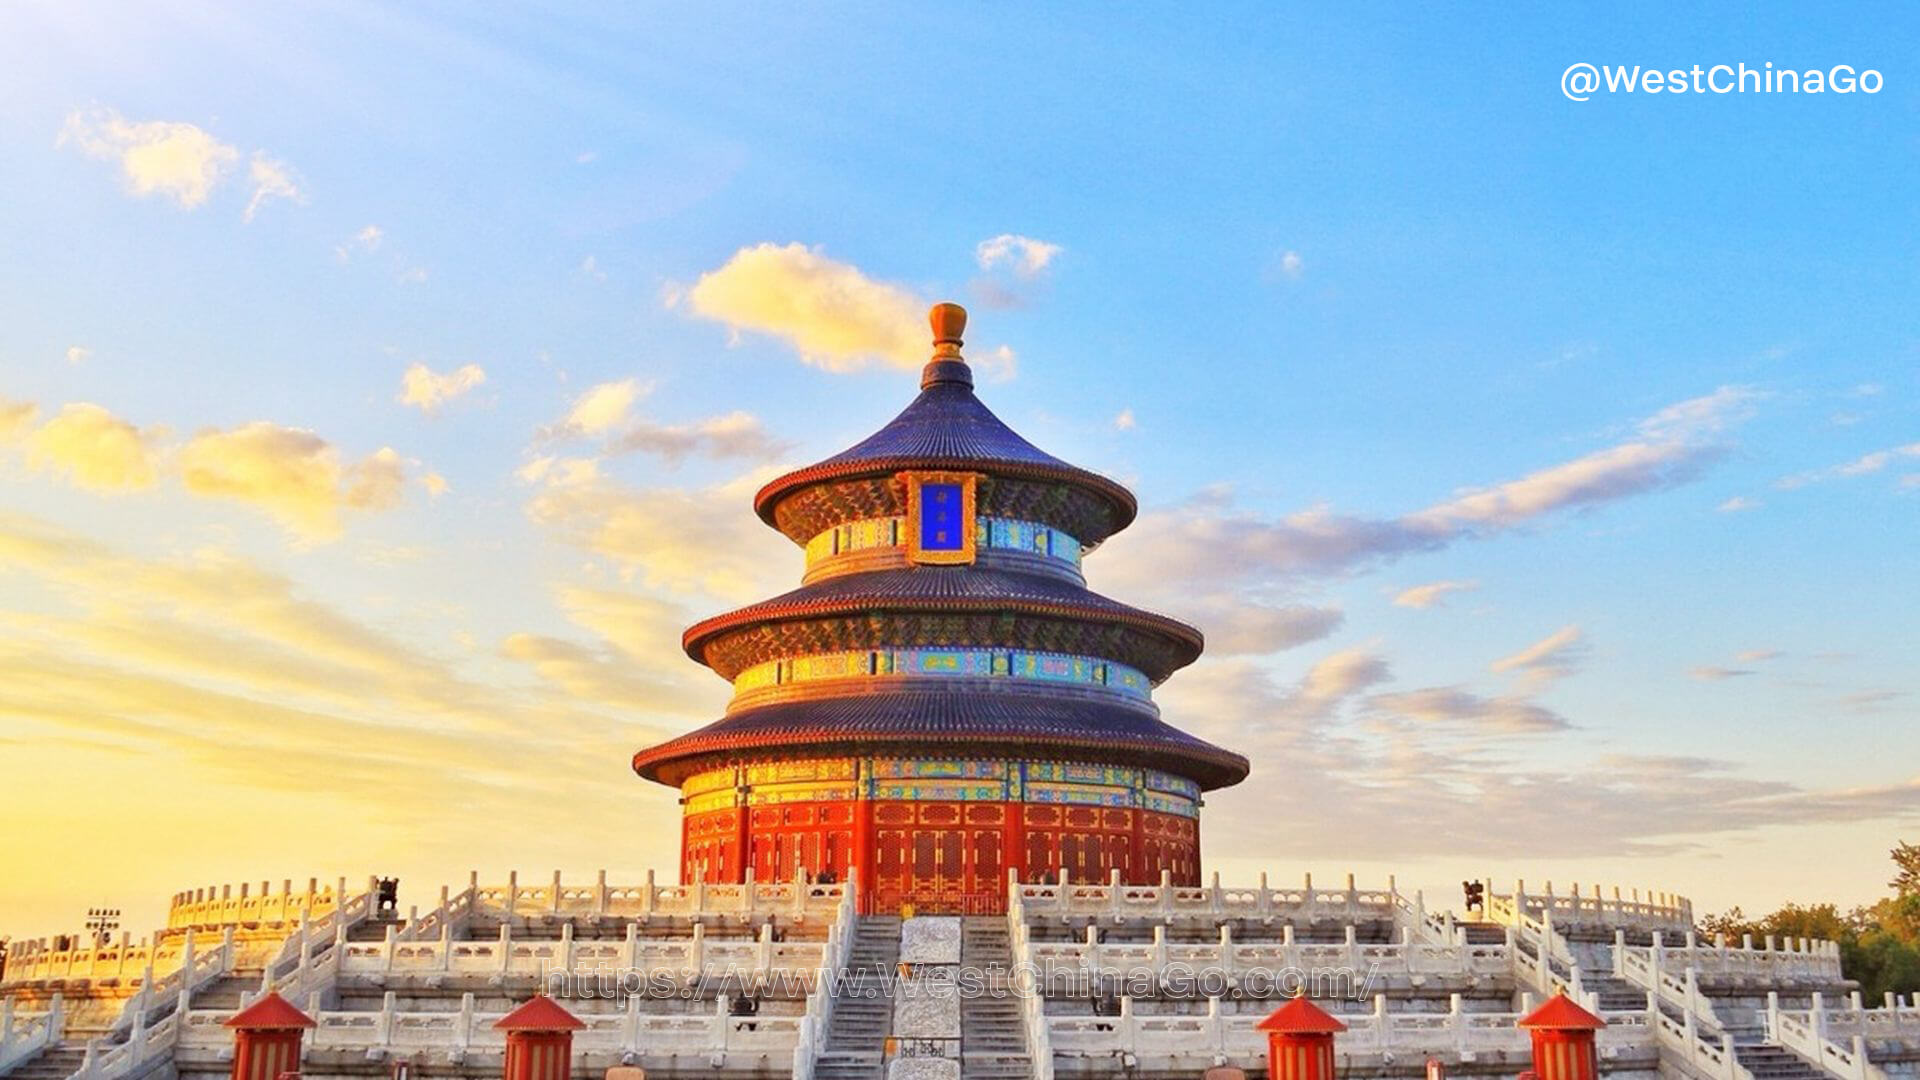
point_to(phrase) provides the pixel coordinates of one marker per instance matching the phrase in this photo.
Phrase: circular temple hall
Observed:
(943, 701)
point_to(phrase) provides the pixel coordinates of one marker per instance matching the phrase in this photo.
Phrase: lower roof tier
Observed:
(942, 606)
(1030, 724)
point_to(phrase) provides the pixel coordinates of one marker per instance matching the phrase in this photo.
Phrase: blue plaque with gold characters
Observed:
(940, 517)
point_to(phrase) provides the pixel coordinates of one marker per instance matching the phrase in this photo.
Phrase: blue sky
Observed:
(1336, 270)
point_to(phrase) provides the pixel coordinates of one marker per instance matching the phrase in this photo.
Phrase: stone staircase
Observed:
(863, 1004)
(1483, 933)
(53, 1063)
(993, 1038)
(1770, 1061)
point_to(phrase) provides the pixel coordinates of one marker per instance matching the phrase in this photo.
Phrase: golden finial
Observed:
(949, 321)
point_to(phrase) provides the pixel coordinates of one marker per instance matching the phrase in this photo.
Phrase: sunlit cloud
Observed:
(426, 390)
(1123, 420)
(292, 474)
(271, 179)
(97, 450)
(76, 355)
(1431, 594)
(836, 316)
(176, 160)
(1024, 255)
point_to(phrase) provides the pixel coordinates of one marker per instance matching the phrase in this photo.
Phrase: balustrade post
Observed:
(1159, 948)
(630, 1028)
(1457, 1023)
(1214, 898)
(647, 897)
(463, 1034)
(506, 947)
(600, 893)
(566, 945)
(383, 1030)
(386, 948)
(1265, 903)
(186, 975)
(1092, 953)
(699, 889)
(1817, 1016)
(513, 891)
(763, 954)
(553, 900)
(698, 950)
(1353, 899)
(1353, 949)
(446, 945)
(1127, 1029)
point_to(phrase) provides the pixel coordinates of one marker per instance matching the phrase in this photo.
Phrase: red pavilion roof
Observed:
(1561, 1013)
(270, 1013)
(539, 1013)
(1301, 1017)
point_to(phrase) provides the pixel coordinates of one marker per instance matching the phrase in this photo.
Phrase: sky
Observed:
(383, 389)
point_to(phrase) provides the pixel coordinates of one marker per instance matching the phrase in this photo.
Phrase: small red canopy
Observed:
(1301, 1017)
(1561, 1013)
(270, 1013)
(539, 1013)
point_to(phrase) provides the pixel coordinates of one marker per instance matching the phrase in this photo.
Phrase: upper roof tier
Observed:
(946, 427)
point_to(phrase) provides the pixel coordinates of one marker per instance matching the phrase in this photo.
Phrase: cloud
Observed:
(590, 269)
(1123, 420)
(1718, 674)
(97, 450)
(1864, 465)
(701, 541)
(1452, 705)
(15, 418)
(271, 179)
(293, 474)
(997, 365)
(735, 435)
(601, 407)
(435, 484)
(1235, 626)
(1553, 657)
(1025, 256)
(366, 241)
(838, 318)
(1737, 504)
(176, 160)
(427, 390)
(1754, 656)
(1365, 761)
(77, 355)
(1292, 265)
(1250, 551)
(1432, 594)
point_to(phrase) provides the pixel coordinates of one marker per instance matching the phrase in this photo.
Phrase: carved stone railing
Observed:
(1033, 1005)
(1839, 1039)
(22, 1036)
(1236, 960)
(811, 1038)
(226, 905)
(1114, 901)
(714, 1037)
(1777, 962)
(695, 954)
(1701, 1054)
(750, 902)
(1678, 989)
(1194, 1040)
(1658, 911)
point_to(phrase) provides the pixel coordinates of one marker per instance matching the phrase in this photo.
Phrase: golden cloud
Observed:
(96, 450)
(837, 317)
(293, 474)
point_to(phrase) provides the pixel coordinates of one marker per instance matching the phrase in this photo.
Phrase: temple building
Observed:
(943, 702)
